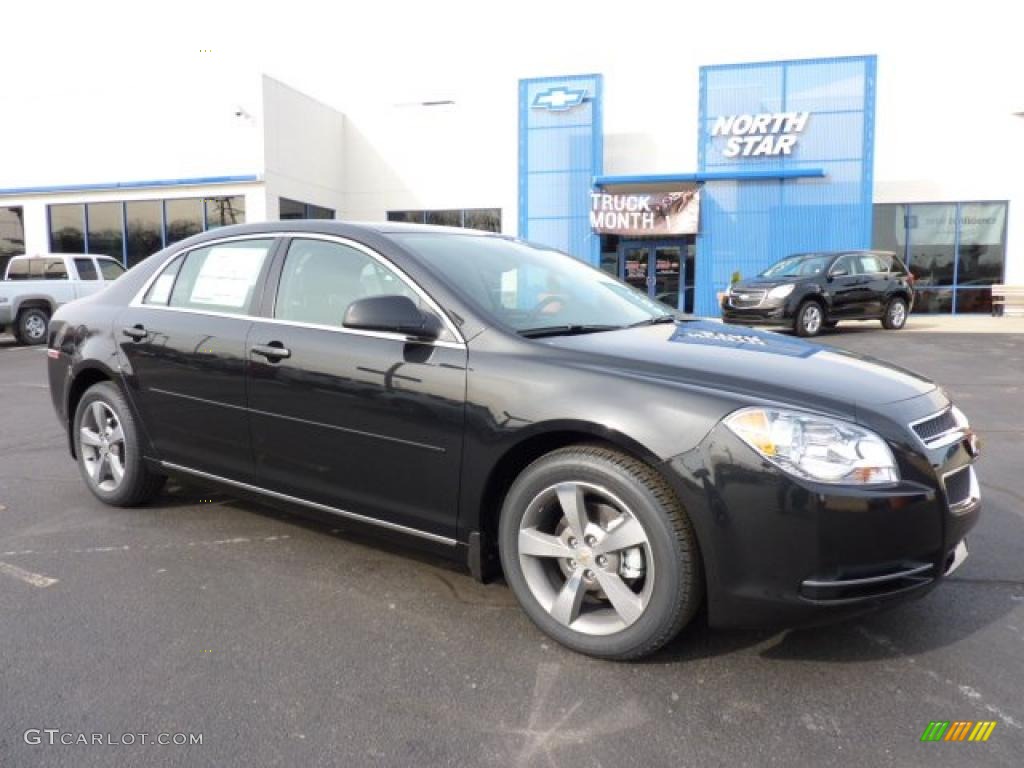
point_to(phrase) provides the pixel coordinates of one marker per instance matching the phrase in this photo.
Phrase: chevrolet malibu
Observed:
(506, 405)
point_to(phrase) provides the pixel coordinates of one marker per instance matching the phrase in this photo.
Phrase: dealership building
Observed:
(676, 191)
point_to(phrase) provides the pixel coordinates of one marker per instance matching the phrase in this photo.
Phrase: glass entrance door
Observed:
(658, 268)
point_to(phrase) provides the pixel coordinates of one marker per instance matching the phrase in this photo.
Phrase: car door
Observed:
(367, 423)
(876, 283)
(847, 287)
(183, 348)
(88, 276)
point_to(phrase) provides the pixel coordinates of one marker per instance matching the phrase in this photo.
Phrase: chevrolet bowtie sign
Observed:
(559, 98)
(769, 134)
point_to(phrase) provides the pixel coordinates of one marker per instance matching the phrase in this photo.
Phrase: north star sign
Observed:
(768, 134)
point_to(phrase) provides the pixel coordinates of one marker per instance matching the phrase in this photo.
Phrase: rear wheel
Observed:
(599, 552)
(108, 447)
(809, 319)
(31, 325)
(895, 316)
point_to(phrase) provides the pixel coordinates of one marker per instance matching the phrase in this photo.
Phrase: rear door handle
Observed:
(136, 332)
(273, 351)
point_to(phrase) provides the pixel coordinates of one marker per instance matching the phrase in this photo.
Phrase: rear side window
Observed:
(86, 269)
(111, 270)
(220, 278)
(52, 269)
(18, 270)
(160, 290)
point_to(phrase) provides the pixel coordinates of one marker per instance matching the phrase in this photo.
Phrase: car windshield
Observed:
(532, 289)
(798, 266)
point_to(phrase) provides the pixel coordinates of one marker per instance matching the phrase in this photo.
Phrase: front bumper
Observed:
(779, 551)
(779, 312)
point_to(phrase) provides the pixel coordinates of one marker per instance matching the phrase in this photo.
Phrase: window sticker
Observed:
(227, 276)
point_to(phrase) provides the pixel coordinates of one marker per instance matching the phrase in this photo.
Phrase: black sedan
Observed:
(506, 404)
(810, 291)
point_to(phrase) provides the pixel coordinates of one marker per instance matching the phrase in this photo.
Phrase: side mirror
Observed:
(840, 272)
(391, 314)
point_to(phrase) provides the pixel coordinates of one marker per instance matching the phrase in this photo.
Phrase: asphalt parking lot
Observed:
(285, 642)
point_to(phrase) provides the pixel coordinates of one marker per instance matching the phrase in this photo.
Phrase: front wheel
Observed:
(809, 319)
(109, 449)
(599, 552)
(895, 316)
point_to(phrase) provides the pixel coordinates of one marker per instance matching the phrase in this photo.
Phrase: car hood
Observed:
(758, 283)
(761, 364)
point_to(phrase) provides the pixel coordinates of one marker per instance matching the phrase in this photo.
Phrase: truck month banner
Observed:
(667, 213)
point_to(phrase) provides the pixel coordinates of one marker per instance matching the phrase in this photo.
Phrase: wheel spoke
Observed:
(624, 600)
(89, 437)
(570, 497)
(116, 469)
(533, 542)
(628, 533)
(117, 434)
(99, 416)
(566, 607)
(102, 465)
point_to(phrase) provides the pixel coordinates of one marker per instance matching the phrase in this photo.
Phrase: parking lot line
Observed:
(35, 579)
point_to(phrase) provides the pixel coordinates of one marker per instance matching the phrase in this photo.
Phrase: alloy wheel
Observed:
(102, 445)
(35, 327)
(897, 314)
(812, 319)
(586, 558)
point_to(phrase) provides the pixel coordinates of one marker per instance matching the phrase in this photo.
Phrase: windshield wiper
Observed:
(655, 321)
(566, 330)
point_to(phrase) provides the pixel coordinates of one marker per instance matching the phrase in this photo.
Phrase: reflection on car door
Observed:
(849, 291)
(184, 345)
(876, 274)
(368, 423)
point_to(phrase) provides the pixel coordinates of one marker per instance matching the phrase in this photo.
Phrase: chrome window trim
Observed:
(314, 505)
(942, 439)
(459, 343)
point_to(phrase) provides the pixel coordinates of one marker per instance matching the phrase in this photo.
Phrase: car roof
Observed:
(336, 227)
(810, 254)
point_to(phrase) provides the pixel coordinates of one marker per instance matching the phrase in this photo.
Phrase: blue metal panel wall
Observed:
(561, 149)
(746, 225)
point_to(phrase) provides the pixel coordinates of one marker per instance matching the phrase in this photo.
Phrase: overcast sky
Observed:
(345, 52)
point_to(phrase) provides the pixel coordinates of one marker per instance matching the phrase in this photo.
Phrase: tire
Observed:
(895, 316)
(32, 325)
(104, 414)
(617, 490)
(810, 318)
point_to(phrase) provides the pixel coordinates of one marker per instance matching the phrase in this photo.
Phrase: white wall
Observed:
(401, 155)
(304, 149)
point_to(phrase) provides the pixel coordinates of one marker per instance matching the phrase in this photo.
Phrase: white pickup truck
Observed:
(34, 286)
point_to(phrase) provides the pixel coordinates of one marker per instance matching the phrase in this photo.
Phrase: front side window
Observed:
(86, 269)
(219, 278)
(531, 288)
(320, 279)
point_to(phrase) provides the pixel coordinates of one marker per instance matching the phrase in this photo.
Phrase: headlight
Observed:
(781, 291)
(815, 447)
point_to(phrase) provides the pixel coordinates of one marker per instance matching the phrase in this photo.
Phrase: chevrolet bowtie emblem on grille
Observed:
(559, 98)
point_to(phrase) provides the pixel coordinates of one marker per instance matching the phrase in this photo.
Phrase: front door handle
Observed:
(136, 332)
(273, 351)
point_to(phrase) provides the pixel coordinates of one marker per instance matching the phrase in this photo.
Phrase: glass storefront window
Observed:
(67, 228)
(954, 250)
(106, 229)
(222, 211)
(184, 218)
(445, 218)
(12, 234)
(982, 244)
(145, 230)
(290, 209)
(484, 219)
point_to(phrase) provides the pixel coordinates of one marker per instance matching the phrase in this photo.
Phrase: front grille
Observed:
(936, 427)
(746, 299)
(958, 486)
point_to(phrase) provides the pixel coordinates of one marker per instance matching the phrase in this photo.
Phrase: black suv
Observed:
(809, 291)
